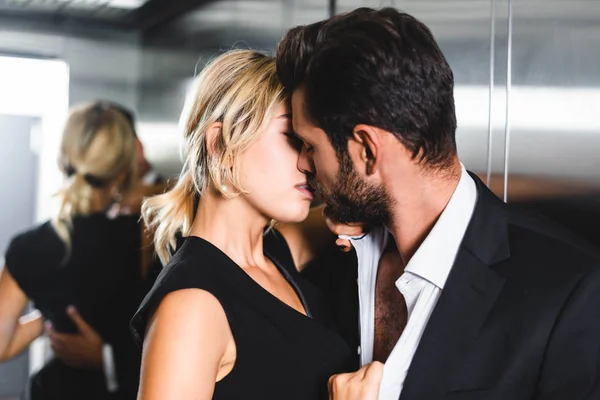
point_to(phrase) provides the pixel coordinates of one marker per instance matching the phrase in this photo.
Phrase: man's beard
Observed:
(352, 199)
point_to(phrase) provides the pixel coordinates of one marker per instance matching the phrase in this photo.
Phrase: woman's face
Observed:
(269, 172)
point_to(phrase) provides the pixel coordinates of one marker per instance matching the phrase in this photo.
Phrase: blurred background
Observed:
(527, 91)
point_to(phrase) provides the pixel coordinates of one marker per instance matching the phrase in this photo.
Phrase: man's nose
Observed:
(304, 163)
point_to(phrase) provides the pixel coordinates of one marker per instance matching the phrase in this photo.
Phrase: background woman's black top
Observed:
(281, 353)
(101, 278)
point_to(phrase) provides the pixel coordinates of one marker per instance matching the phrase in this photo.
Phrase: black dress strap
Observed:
(278, 251)
(276, 248)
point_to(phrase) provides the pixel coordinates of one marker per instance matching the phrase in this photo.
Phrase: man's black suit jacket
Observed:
(519, 316)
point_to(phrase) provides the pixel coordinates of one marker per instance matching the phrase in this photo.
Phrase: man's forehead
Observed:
(298, 102)
(299, 116)
(301, 123)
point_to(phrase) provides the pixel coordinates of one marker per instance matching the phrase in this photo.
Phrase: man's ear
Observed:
(369, 147)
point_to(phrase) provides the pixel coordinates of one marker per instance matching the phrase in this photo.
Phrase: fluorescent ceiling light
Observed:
(126, 4)
(123, 4)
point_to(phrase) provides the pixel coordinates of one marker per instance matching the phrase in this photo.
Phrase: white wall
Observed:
(100, 67)
(26, 92)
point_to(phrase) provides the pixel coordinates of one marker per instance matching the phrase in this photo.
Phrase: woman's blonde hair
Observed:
(98, 145)
(241, 91)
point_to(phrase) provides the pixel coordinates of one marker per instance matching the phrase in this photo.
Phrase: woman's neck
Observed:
(233, 226)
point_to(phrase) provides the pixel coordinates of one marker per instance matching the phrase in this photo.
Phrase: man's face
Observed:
(351, 197)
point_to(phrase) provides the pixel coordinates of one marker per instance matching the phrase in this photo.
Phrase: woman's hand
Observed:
(311, 237)
(80, 350)
(360, 385)
(353, 229)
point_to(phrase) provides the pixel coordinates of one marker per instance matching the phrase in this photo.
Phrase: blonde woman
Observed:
(230, 317)
(81, 260)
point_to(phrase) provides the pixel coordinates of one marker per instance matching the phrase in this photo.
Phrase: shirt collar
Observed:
(433, 260)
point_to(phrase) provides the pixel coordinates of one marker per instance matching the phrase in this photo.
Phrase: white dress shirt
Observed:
(421, 284)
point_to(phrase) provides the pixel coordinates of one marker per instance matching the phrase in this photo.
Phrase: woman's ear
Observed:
(212, 134)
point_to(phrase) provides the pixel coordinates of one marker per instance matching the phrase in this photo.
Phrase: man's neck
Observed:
(418, 206)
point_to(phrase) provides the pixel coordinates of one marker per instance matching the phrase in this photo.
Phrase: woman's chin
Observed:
(294, 216)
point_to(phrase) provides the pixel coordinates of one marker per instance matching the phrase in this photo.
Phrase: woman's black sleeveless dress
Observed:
(281, 353)
(102, 278)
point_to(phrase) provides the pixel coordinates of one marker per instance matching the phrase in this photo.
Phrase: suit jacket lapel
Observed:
(467, 298)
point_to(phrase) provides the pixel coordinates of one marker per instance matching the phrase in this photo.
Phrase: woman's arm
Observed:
(15, 333)
(188, 347)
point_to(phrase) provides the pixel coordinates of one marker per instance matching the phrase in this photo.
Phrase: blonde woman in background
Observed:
(82, 270)
(230, 317)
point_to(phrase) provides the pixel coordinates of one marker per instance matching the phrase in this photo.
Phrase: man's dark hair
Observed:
(377, 67)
